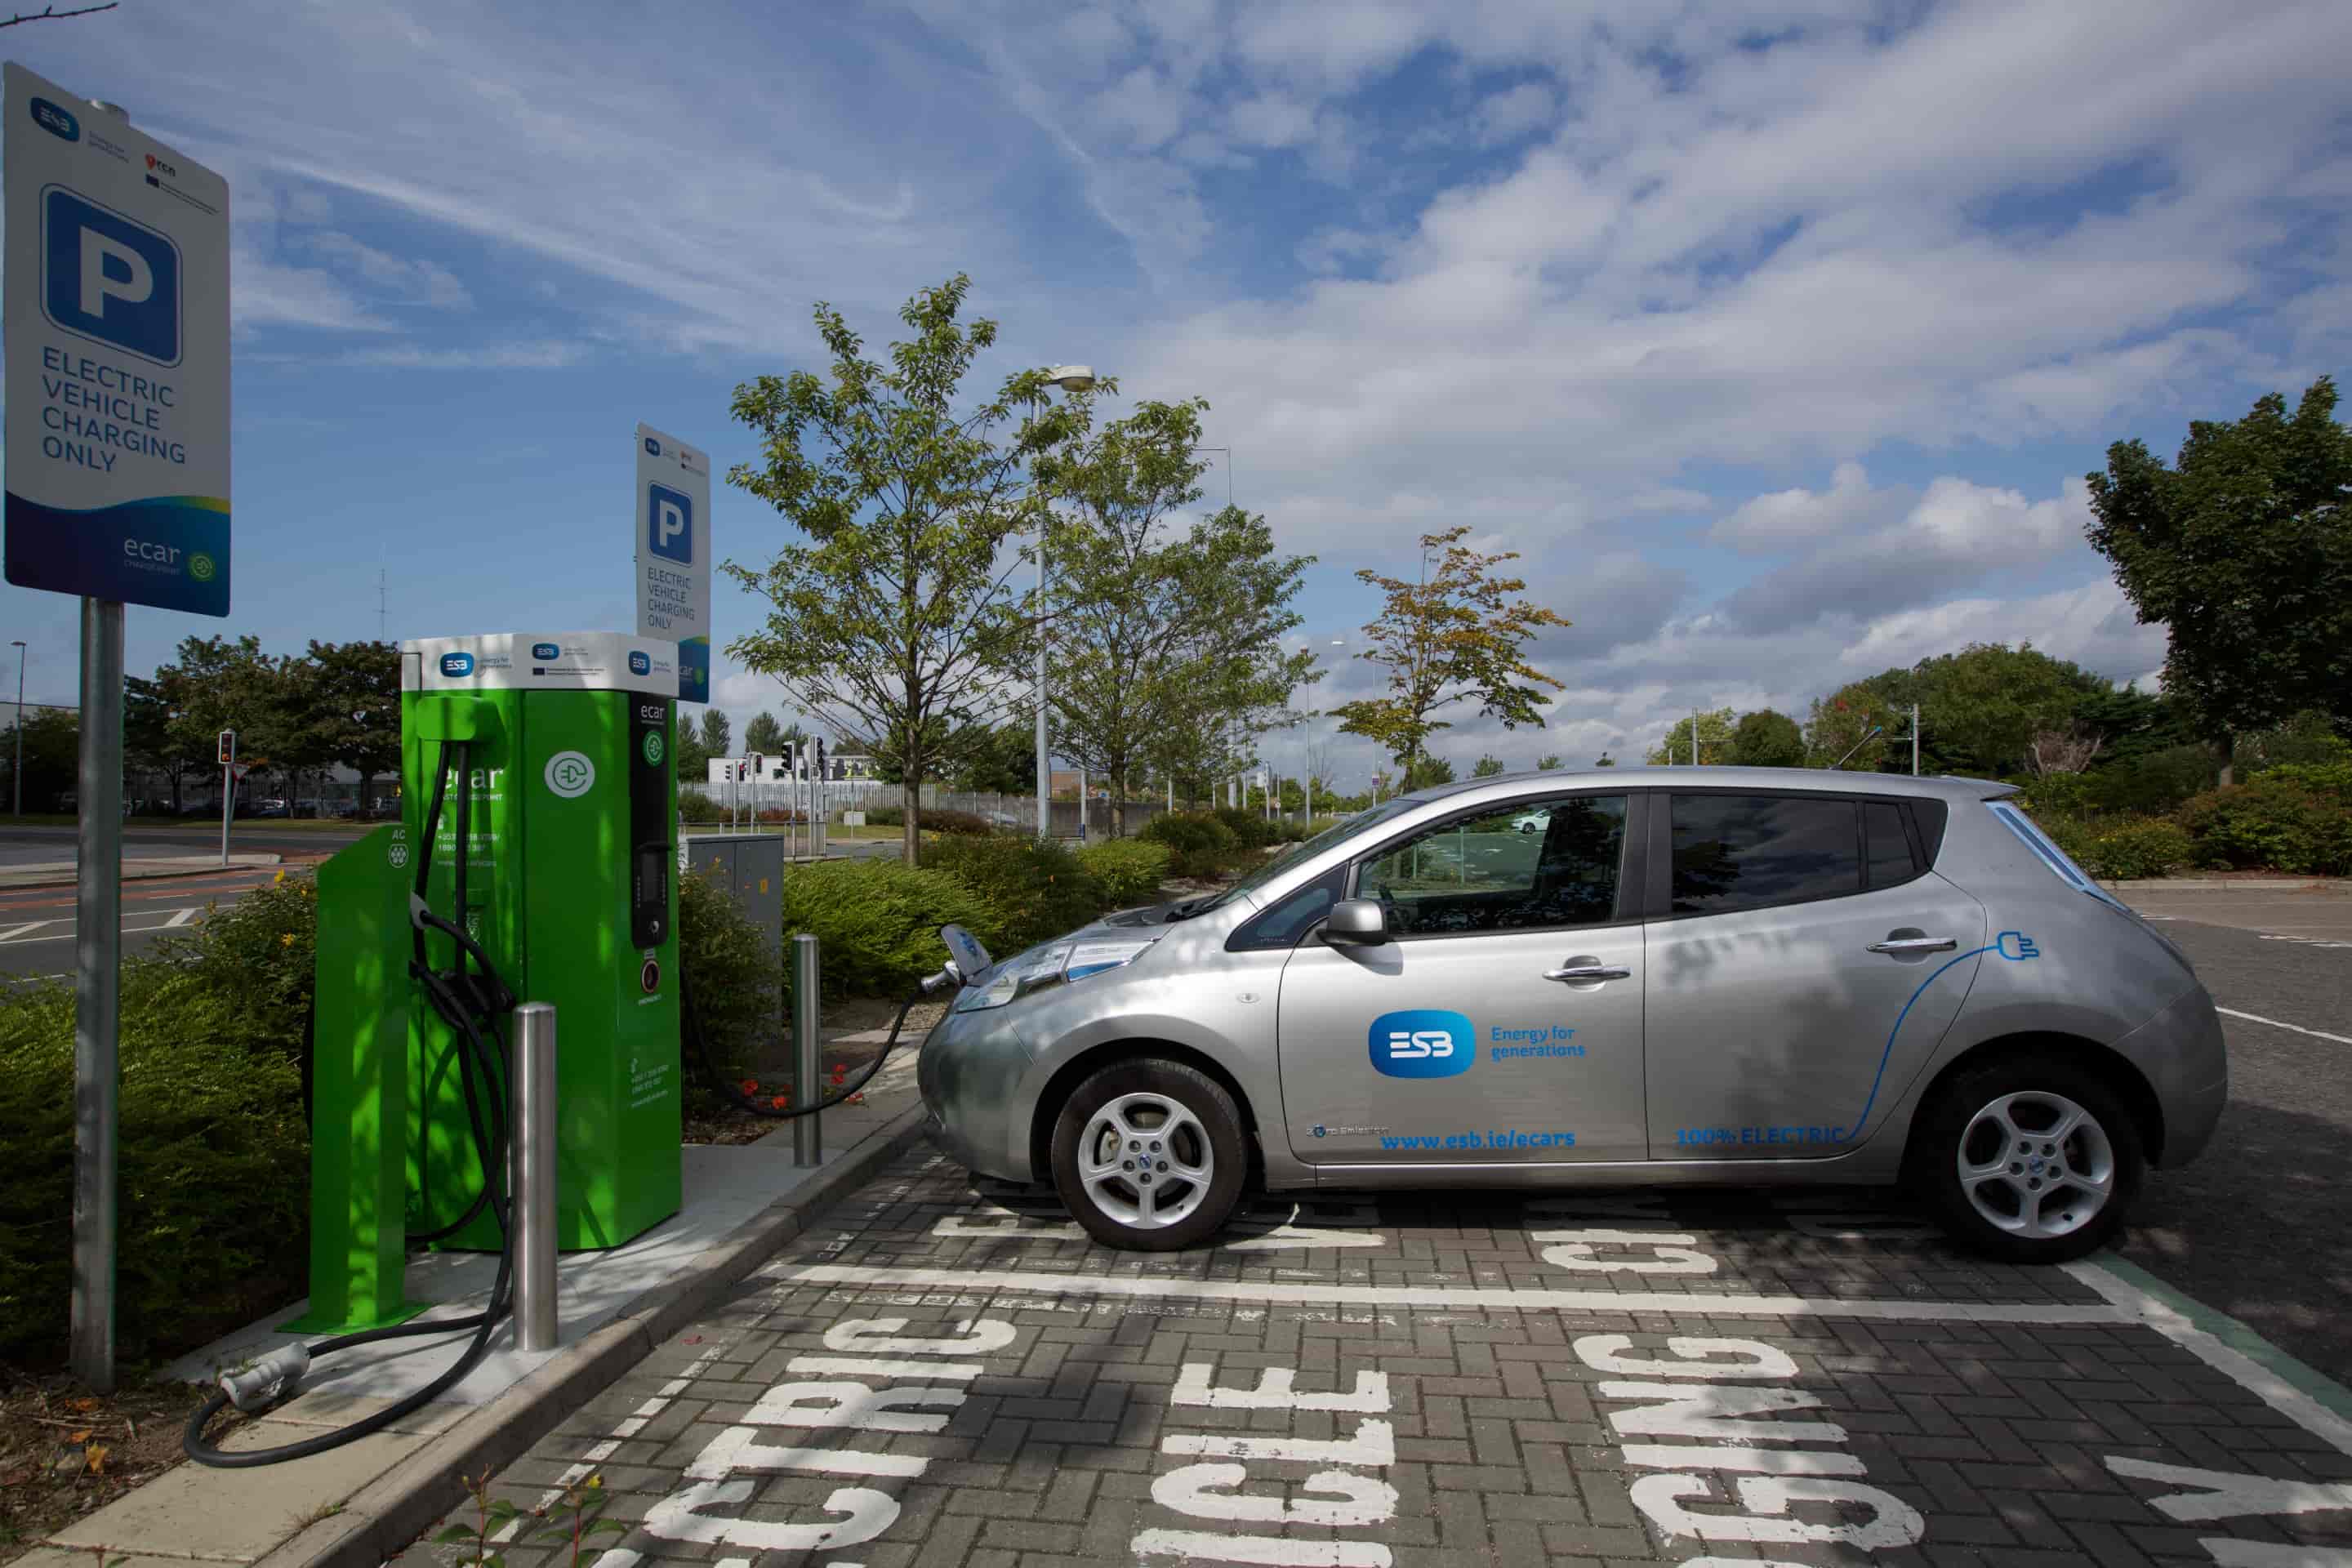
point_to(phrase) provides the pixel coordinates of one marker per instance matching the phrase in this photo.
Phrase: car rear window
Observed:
(1752, 851)
(2046, 848)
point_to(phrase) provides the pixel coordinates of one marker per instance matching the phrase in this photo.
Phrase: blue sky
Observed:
(1776, 337)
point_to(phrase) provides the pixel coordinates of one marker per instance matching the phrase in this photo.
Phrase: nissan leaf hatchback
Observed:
(1734, 975)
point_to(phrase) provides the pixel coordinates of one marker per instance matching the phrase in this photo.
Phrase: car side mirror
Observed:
(1356, 922)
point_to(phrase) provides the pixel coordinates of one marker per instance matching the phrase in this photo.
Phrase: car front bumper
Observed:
(2186, 1061)
(973, 1072)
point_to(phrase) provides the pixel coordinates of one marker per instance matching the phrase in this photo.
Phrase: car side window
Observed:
(1752, 851)
(1287, 920)
(1889, 846)
(1531, 867)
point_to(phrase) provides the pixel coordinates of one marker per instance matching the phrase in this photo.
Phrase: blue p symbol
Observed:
(109, 278)
(669, 524)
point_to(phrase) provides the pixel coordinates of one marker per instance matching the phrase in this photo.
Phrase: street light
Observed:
(1069, 378)
(18, 775)
(1307, 774)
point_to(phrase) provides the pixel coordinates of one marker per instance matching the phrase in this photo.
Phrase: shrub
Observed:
(2156, 782)
(886, 817)
(738, 985)
(1250, 829)
(2125, 847)
(2280, 823)
(2055, 794)
(253, 961)
(940, 820)
(698, 809)
(1036, 891)
(1129, 869)
(214, 1166)
(1198, 846)
(877, 921)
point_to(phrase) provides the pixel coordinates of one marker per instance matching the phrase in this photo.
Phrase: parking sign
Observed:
(115, 307)
(673, 550)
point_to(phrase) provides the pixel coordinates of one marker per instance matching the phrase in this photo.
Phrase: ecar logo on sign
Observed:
(1425, 1042)
(669, 524)
(109, 278)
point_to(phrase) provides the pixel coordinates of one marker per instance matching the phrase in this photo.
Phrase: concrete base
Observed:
(724, 1187)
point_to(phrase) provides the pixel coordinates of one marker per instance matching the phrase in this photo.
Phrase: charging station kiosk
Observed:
(569, 886)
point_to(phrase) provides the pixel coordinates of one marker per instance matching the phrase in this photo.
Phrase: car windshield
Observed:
(1338, 833)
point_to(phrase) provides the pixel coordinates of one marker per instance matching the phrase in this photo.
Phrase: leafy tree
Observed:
(893, 615)
(147, 734)
(1455, 637)
(1152, 632)
(1714, 741)
(687, 751)
(52, 756)
(1849, 729)
(1548, 763)
(1004, 762)
(1604, 760)
(2245, 551)
(1982, 709)
(1767, 739)
(1426, 770)
(218, 684)
(344, 702)
(1486, 767)
(717, 733)
(769, 735)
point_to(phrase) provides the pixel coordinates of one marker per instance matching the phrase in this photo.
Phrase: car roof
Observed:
(1707, 776)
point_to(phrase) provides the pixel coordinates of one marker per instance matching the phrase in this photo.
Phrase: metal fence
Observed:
(1013, 812)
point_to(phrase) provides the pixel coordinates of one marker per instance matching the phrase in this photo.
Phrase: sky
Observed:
(1776, 338)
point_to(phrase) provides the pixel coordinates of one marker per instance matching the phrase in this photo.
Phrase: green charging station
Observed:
(553, 749)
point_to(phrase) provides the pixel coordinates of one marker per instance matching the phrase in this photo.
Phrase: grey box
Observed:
(750, 868)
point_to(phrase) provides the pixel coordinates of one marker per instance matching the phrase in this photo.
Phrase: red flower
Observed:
(751, 1086)
(781, 1102)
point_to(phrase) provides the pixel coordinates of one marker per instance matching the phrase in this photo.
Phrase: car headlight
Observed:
(1056, 964)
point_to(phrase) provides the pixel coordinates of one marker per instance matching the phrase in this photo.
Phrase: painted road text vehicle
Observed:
(1731, 975)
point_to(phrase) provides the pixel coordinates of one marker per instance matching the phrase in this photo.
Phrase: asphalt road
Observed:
(29, 845)
(36, 924)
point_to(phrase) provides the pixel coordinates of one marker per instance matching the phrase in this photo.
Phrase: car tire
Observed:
(2029, 1161)
(1148, 1155)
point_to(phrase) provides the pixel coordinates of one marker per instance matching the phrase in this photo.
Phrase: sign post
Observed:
(228, 787)
(673, 530)
(114, 301)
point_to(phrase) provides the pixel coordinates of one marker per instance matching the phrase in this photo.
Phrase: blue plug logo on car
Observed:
(456, 664)
(1424, 1042)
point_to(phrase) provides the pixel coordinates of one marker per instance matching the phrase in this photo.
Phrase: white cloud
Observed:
(547, 355)
(411, 280)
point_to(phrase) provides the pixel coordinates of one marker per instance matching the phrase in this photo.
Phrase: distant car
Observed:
(1744, 976)
(270, 807)
(1531, 822)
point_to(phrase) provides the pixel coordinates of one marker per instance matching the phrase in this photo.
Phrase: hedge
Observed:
(877, 921)
(1129, 869)
(1198, 845)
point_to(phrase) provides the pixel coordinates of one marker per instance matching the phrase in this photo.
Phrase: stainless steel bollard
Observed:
(530, 1082)
(808, 1137)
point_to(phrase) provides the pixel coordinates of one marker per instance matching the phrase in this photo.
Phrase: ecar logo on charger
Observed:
(669, 524)
(1425, 1042)
(109, 278)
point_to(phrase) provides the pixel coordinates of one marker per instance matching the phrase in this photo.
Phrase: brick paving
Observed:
(918, 1418)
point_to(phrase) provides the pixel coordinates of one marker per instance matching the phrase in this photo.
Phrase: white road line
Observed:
(2267, 1385)
(15, 932)
(10, 939)
(2273, 1022)
(180, 918)
(1614, 1302)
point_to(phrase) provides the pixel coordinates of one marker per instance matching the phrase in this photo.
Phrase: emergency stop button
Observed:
(650, 975)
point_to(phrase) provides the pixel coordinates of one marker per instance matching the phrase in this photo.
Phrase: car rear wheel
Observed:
(1148, 1155)
(2029, 1163)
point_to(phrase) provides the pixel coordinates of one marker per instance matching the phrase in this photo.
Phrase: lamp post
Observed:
(1069, 378)
(17, 775)
(1307, 774)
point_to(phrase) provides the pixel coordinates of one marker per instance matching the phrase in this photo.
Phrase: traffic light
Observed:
(820, 757)
(228, 747)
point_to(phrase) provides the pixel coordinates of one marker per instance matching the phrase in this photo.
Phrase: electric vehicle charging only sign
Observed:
(115, 305)
(672, 531)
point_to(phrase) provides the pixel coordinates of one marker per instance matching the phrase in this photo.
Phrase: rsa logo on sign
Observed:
(1425, 1042)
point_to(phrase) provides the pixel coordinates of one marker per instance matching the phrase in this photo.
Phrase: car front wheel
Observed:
(2030, 1162)
(1150, 1155)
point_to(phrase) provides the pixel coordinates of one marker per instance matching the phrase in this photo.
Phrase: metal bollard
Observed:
(808, 1137)
(530, 1081)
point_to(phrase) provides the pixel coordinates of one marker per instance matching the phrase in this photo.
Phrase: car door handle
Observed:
(1908, 945)
(1588, 972)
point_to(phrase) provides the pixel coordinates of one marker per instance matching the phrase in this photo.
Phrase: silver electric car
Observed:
(1731, 976)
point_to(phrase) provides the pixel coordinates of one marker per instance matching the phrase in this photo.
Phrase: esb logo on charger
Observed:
(1425, 1042)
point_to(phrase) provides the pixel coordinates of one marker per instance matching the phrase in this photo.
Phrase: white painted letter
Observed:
(1684, 1410)
(674, 1519)
(2226, 1495)
(1578, 1247)
(1606, 1353)
(852, 1405)
(1894, 1522)
(1191, 1490)
(870, 1336)
(97, 250)
(1274, 1392)
(1374, 1443)
(739, 1448)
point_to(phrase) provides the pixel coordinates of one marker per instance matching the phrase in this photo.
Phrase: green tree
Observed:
(218, 684)
(1548, 763)
(52, 756)
(1714, 741)
(2243, 550)
(1604, 760)
(1427, 770)
(717, 733)
(893, 616)
(687, 751)
(769, 735)
(147, 734)
(1454, 637)
(1004, 763)
(1486, 767)
(1152, 631)
(1768, 738)
(1982, 708)
(1850, 728)
(344, 702)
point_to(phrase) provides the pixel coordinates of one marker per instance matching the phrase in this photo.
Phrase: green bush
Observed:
(213, 1164)
(886, 817)
(738, 983)
(252, 961)
(1198, 846)
(1129, 869)
(2275, 821)
(698, 809)
(2123, 848)
(1250, 829)
(2156, 782)
(2055, 794)
(1037, 890)
(877, 921)
(939, 819)
(2332, 779)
